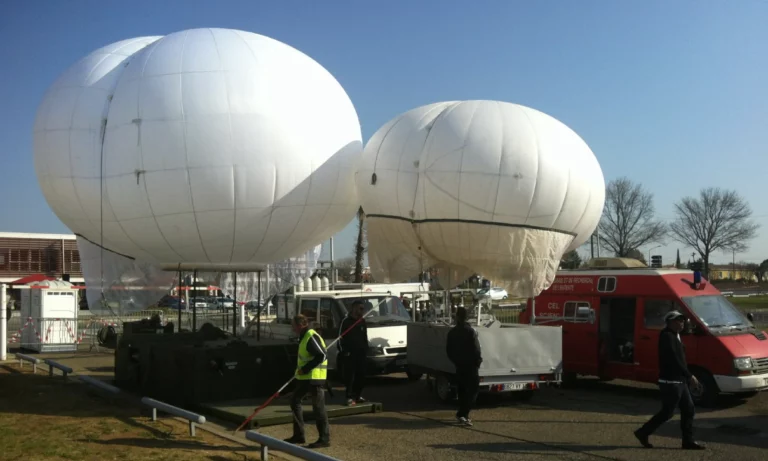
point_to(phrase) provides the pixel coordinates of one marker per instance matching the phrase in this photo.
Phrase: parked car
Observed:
(495, 293)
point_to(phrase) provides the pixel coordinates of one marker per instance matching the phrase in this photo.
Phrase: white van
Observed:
(387, 325)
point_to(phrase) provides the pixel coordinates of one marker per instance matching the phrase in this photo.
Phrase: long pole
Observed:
(178, 292)
(3, 323)
(258, 307)
(234, 306)
(194, 301)
(276, 394)
(333, 269)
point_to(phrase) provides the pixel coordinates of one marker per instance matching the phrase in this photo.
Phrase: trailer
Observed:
(520, 358)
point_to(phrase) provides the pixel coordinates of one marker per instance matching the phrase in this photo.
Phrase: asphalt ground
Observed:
(593, 421)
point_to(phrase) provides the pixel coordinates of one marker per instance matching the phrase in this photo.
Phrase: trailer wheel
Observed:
(444, 389)
(706, 393)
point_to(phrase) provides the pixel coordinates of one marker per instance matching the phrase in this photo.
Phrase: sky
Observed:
(673, 95)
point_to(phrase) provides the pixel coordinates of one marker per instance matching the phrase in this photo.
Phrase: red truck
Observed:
(612, 313)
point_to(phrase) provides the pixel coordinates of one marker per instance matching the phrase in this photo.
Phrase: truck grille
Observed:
(401, 350)
(761, 365)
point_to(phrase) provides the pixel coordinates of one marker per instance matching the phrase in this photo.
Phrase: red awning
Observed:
(36, 278)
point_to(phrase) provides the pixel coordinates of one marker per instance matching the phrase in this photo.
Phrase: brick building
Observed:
(53, 255)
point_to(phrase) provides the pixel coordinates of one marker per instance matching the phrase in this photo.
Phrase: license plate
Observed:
(401, 362)
(514, 386)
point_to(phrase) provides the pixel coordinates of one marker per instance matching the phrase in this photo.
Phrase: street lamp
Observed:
(649, 252)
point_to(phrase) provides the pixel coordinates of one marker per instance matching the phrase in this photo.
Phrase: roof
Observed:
(31, 279)
(615, 272)
(26, 235)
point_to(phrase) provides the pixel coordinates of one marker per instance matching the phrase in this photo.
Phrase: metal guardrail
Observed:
(300, 452)
(56, 365)
(100, 384)
(193, 418)
(27, 358)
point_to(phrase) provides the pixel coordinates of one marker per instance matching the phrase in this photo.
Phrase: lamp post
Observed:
(649, 252)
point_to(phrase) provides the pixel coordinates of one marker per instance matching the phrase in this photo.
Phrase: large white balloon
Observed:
(478, 187)
(207, 147)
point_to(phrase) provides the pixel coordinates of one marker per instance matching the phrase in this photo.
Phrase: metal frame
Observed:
(300, 452)
(100, 384)
(27, 358)
(51, 365)
(193, 418)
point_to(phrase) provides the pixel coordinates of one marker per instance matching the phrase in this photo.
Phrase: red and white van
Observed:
(613, 311)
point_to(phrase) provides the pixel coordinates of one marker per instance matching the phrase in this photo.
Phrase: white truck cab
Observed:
(386, 318)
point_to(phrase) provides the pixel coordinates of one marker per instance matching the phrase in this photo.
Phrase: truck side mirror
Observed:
(591, 316)
(750, 317)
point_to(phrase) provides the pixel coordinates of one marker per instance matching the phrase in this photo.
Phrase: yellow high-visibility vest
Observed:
(320, 372)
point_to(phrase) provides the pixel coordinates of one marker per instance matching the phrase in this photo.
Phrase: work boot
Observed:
(693, 446)
(319, 444)
(351, 403)
(296, 440)
(361, 400)
(643, 439)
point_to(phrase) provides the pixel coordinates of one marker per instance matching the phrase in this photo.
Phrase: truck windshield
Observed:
(391, 310)
(716, 312)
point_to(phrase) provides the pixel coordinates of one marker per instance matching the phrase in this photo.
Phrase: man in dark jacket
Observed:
(353, 348)
(674, 381)
(463, 349)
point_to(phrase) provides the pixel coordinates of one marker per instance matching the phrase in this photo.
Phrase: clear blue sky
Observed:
(671, 94)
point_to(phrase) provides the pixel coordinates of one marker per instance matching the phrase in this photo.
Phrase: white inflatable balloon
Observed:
(478, 187)
(210, 148)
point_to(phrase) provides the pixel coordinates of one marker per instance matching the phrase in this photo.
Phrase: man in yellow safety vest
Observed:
(311, 373)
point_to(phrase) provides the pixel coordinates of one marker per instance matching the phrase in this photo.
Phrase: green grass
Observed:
(751, 303)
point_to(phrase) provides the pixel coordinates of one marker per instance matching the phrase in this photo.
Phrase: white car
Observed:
(496, 294)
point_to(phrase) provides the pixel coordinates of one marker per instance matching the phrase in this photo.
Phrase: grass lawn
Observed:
(750, 304)
(44, 418)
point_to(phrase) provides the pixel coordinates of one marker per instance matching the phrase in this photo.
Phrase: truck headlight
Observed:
(742, 363)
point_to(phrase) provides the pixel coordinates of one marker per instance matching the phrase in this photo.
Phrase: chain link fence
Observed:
(87, 331)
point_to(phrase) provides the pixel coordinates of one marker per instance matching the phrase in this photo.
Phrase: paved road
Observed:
(594, 422)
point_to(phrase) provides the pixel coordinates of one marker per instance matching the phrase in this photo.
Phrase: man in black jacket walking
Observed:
(463, 349)
(674, 381)
(353, 349)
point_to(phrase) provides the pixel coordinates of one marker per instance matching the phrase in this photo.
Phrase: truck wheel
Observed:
(706, 393)
(570, 380)
(444, 389)
(412, 376)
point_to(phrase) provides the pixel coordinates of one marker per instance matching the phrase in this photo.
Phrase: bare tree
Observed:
(716, 220)
(637, 254)
(628, 218)
(360, 245)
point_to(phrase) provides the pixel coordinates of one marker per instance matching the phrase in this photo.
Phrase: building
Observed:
(52, 255)
(731, 272)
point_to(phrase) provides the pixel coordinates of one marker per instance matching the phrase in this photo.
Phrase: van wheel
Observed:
(444, 389)
(706, 393)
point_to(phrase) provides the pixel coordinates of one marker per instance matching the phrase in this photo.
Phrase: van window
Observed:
(655, 310)
(309, 309)
(606, 284)
(326, 314)
(571, 311)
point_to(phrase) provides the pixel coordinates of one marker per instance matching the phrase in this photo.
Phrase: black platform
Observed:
(279, 412)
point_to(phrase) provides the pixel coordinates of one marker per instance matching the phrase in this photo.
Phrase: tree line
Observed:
(715, 220)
